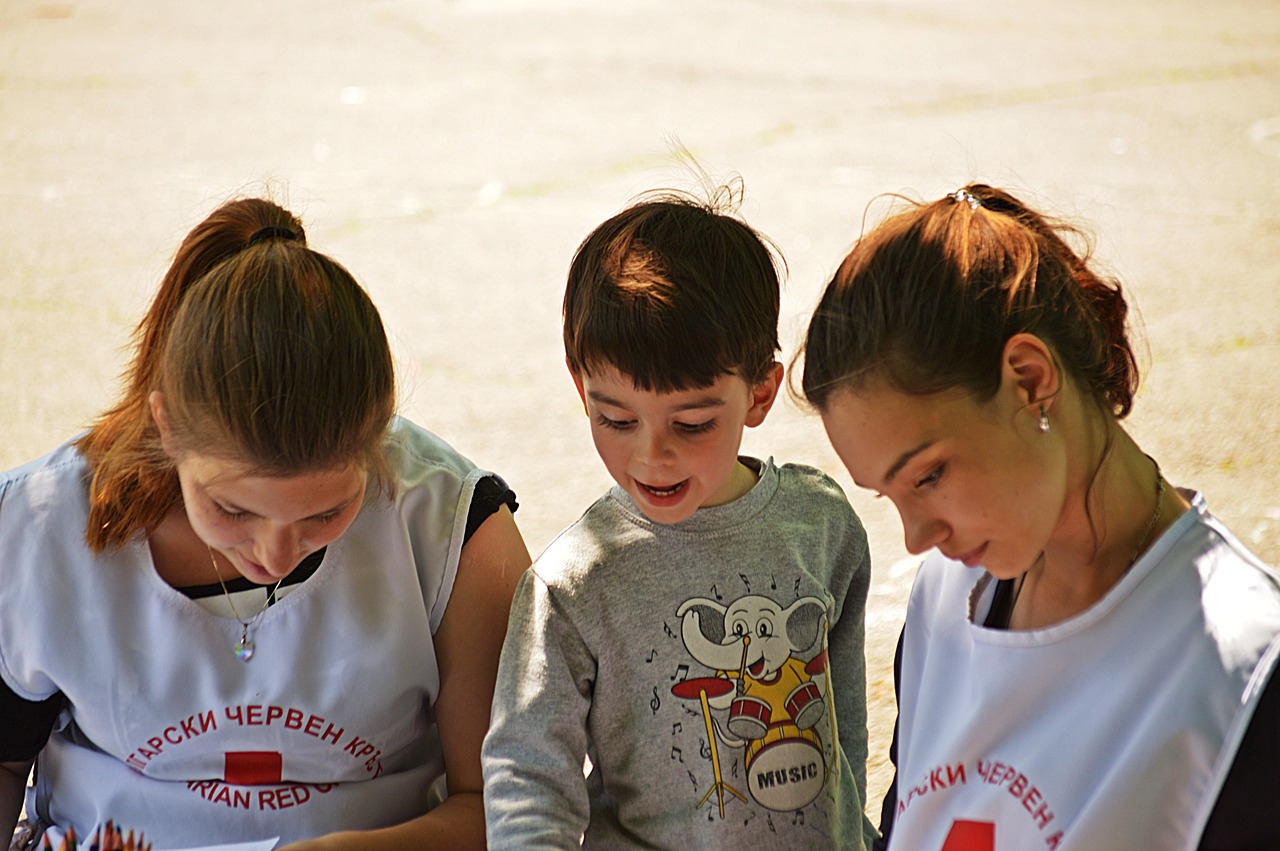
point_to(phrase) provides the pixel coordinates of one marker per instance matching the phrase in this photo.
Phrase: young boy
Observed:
(697, 634)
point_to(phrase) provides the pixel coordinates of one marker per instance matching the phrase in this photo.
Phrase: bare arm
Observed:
(467, 646)
(13, 780)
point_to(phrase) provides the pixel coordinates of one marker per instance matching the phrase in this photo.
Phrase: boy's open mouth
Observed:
(670, 490)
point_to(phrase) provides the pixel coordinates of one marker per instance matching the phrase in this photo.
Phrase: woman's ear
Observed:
(1028, 368)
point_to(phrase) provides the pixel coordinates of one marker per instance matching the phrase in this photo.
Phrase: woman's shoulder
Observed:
(1232, 593)
(1221, 558)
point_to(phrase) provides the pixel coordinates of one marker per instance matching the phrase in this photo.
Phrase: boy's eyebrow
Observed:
(701, 402)
(904, 459)
(708, 401)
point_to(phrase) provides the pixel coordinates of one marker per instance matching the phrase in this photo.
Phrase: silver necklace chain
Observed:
(243, 648)
(1155, 516)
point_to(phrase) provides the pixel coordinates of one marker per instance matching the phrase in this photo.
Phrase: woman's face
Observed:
(978, 481)
(266, 525)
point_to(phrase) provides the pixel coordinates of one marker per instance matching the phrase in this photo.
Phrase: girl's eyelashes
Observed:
(321, 519)
(230, 515)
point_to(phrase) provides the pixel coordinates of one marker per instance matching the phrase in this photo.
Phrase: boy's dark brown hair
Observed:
(673, 293)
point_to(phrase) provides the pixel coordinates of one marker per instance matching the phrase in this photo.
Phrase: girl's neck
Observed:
(179, 556)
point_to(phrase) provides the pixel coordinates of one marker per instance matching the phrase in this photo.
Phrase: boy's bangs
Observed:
(658, 353)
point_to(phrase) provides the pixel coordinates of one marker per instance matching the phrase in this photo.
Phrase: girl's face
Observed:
(978, 481)
(266, 525)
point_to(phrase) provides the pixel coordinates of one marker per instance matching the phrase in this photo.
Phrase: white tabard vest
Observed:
(1112, 730)
(327, 727)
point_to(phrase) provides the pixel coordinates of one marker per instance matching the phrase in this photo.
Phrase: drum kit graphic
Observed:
(783, 754)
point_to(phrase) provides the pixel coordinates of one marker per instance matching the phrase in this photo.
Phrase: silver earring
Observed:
(1044, 420)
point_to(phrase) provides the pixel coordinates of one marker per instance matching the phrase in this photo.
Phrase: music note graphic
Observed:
(745, 581)
(677, 754)
(682, 673)
(655, 703)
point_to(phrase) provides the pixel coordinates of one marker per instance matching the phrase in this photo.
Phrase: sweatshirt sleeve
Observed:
(848, 657)
(535, 792)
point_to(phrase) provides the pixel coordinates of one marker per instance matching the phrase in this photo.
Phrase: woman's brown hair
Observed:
(266, 352)
(927, 300)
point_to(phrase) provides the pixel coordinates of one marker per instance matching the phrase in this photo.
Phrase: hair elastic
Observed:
(271, 232)
(964, 196)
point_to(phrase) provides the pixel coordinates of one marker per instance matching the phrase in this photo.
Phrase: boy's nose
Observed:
(654, 447)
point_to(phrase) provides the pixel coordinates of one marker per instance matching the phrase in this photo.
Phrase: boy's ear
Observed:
(577, 382)
(1028, 369)
(763, 395)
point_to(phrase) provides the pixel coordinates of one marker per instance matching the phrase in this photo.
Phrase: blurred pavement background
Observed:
(452, 153)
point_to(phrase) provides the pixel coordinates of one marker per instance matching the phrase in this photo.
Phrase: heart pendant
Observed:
(243, 649)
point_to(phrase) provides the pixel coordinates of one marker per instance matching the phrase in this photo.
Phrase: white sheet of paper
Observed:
(258, 845)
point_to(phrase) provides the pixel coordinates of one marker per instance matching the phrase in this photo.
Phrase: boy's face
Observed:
(675, 452)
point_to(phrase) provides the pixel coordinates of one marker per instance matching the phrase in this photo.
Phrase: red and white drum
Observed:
(749, 717)
(804, 705)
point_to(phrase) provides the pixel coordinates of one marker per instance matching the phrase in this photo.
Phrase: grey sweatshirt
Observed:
(711, 672)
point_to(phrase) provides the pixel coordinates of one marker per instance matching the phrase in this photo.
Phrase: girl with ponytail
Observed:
(1087, 650)
(250, 602)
